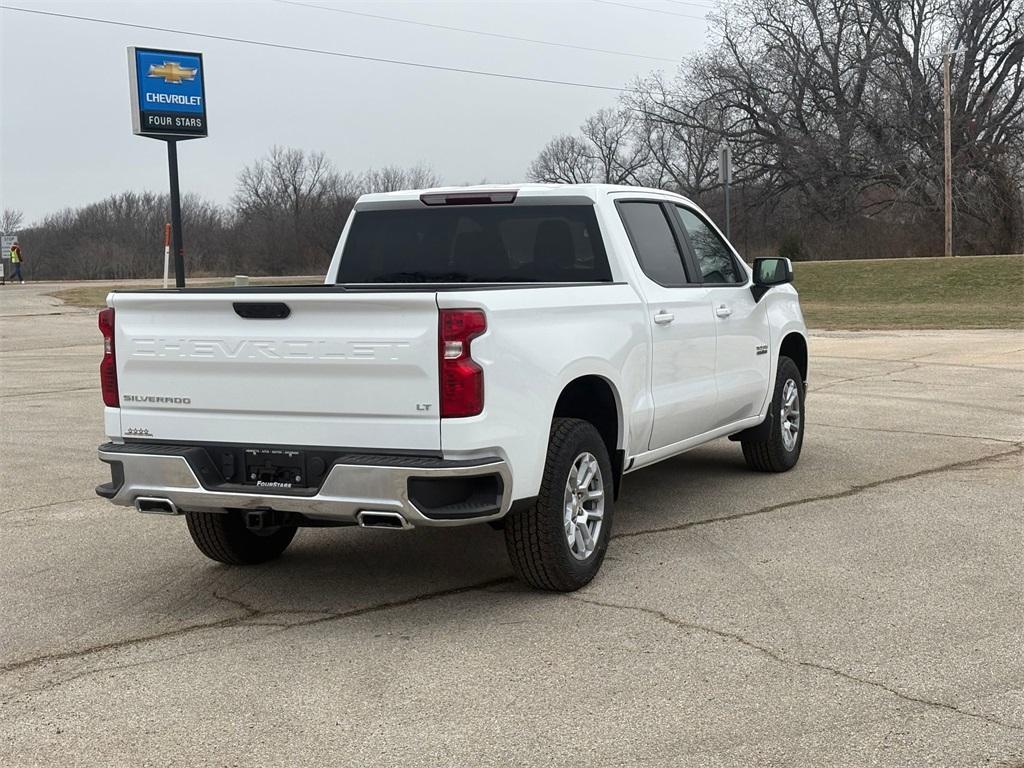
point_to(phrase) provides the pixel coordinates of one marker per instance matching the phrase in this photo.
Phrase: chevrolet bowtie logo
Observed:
(172, 72)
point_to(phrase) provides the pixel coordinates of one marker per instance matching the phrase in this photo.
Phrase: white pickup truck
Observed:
(499, 355)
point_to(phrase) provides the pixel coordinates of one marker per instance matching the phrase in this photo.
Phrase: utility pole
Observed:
(947, 141)
(947, 145)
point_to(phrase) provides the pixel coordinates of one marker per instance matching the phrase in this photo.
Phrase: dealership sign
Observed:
(168, 94)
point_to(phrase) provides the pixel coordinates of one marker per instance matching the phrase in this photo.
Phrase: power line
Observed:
(471, 31)
(320, 51)
(649, 10)
(712, 6)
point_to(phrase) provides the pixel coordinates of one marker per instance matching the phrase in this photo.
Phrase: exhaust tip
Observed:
(392, 520)
(153, 506)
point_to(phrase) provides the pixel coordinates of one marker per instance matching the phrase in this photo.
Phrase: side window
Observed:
(653, 242)
(713, 256)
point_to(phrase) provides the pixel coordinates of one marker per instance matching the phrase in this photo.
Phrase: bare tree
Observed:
(987, 115)
(392, 178)
(288, 178)
(681, 134)
(285, 204)
(122, 236)
(288, 211)
(11, 220)
(619, 157)
(608, 150)
(292, 205)
(565, 159)
(834, 112)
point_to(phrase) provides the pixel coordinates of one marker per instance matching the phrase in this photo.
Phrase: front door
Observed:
(742, 369)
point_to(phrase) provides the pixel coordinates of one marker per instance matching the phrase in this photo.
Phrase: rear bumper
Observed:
(425, 491)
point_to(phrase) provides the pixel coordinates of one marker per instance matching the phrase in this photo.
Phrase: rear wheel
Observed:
(560, 542)
(224, 537)
(781, 450)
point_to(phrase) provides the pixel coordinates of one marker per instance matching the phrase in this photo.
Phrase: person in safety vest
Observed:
(16, 260)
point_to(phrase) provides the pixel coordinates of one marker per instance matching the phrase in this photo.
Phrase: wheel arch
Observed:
(794, 346)
(595, 399)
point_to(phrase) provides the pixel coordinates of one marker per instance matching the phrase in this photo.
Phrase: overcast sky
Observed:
(65, 127)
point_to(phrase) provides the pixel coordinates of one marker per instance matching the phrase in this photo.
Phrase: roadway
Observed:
(864, 609)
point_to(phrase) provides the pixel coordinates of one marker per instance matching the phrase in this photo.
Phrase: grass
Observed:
(964, 292)
(94, 296)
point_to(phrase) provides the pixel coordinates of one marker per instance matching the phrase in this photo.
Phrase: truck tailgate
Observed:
(341, 370)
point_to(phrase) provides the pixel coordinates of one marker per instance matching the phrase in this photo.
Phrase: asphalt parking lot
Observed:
(866, 608)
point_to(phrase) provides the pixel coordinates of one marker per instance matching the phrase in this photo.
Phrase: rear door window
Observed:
(653, 242)
(475, 244)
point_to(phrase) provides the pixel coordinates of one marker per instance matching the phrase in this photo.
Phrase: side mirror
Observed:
(769, 272)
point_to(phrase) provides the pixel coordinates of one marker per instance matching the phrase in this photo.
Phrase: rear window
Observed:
(475, 244)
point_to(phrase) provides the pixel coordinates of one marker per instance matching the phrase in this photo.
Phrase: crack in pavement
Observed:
(192, 651)
(851, 491)
(48, 504)
(923, 399)
(114, 645)
(890, 376)
(791, 662)
(921, 362)
(250, 612)
(87, 349)
(37, 393)
(829, 384)
(16, 352)
(253, 618)
(916, 432)
(39, 314)
(982, 386)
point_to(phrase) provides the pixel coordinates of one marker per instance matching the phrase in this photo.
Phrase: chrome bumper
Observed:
(347, 490)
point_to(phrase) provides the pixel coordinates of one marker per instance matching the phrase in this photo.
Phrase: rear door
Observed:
(683, 337)
(344, 370)
(742, 368)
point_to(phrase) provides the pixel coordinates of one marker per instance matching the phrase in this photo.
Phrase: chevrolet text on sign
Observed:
(168, 93)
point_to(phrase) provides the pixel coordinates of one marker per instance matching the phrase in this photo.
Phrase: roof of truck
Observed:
(592, 191)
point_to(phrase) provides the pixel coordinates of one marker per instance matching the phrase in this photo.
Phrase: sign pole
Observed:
(728, 210)
(167, 252)
(725, 178)
(179, 248)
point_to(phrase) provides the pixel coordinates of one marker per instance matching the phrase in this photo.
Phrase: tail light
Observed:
(462, 380)
(108, 365)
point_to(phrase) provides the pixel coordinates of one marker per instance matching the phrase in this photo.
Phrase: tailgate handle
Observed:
(262, 310)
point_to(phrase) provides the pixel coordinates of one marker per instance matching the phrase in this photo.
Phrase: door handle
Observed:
(723, 310)
(664, 318)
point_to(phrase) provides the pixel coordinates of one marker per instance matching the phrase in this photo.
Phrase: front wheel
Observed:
(781, 450)
(224, 537)
(559, 543)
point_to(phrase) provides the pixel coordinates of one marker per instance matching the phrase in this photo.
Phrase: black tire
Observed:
(773, 455)
(536, 536)
(222, 536)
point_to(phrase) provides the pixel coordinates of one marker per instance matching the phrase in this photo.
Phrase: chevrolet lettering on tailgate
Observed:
(267, 349)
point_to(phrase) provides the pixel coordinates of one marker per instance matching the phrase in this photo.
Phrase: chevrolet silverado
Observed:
(502, 355)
